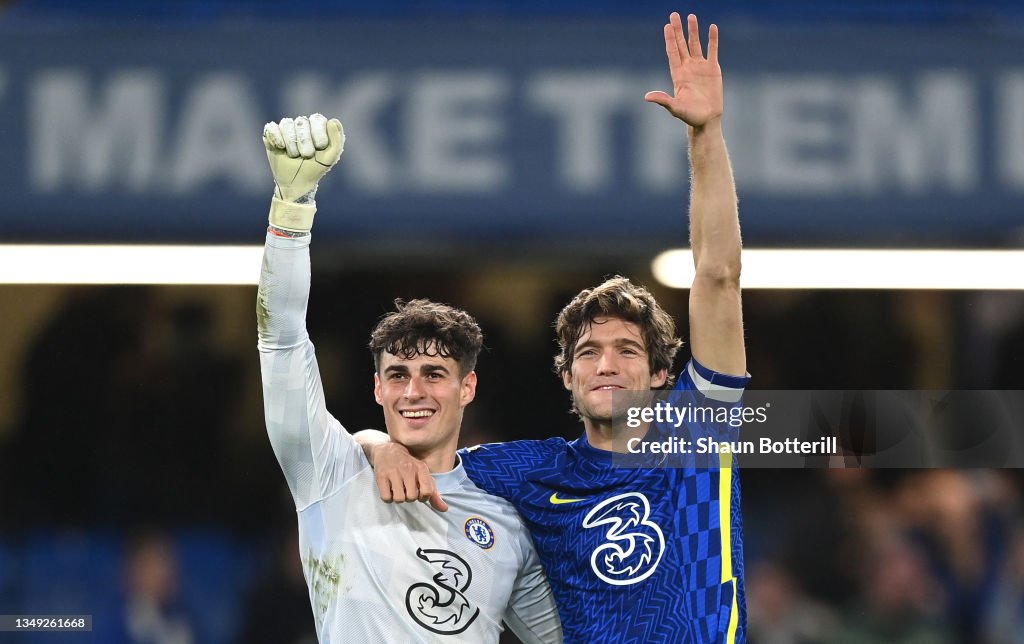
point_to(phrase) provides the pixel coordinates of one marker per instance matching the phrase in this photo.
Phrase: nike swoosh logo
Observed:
(557, 501)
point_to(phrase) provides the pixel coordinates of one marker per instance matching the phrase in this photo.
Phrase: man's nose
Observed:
(607, 363)
(413, 389)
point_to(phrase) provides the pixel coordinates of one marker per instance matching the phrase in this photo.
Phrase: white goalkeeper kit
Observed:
(377, 572)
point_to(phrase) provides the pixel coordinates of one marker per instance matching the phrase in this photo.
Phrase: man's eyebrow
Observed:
(434, 368)
(618, 342)
(396, 368)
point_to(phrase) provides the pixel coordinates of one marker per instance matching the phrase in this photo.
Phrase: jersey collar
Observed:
(453, 479)
(586, 450)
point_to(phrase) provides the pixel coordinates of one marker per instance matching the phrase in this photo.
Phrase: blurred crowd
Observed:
(885, 556)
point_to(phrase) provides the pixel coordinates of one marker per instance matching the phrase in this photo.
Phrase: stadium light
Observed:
(779, 268)
(129, 264)
(860, 269)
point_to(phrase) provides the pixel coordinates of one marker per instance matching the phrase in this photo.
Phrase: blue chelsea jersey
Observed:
(632, 555)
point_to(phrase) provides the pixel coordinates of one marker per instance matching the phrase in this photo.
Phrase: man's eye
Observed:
(397, 376)
(434, 376)
(586, 353)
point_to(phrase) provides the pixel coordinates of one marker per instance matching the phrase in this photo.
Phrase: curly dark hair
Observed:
(617, 297)
(422, 327)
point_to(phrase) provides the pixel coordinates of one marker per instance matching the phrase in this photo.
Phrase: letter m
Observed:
(94, 143)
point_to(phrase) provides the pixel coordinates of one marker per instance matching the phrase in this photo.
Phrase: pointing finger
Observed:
(438, 503)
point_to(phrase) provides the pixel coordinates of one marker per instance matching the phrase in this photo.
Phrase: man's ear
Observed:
(659, 378)
(567, 379)
(376, 389)
(468, 388)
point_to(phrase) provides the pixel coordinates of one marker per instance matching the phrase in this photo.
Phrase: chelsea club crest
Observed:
(479, 532)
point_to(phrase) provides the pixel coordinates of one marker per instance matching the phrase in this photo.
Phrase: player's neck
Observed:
(599, 435)
(439, 460)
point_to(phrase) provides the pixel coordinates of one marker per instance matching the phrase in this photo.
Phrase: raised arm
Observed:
(716, 318)
(313, 449)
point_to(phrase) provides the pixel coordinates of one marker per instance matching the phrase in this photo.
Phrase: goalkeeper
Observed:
(379, 572)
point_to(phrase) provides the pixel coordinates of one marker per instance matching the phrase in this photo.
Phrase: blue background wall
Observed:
(531, 127)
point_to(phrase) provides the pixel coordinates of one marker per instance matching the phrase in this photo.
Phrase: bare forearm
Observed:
(714, 214)
(716, 318)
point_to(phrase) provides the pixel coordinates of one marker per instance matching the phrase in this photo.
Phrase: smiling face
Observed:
(423, 397)
(608, 356)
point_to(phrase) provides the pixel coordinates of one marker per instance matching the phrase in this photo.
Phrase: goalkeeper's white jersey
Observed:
(380, 572)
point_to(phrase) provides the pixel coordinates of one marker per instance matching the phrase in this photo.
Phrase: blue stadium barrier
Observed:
(216, 571)
(10, 573)
(80, 573)
(70, 573)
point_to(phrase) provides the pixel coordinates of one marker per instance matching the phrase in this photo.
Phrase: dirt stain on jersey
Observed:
(324, 575)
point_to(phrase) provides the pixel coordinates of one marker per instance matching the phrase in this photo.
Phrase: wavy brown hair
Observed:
(617, 297)
(422, 327)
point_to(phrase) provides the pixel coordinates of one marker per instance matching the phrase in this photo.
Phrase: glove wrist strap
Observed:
(291, 216)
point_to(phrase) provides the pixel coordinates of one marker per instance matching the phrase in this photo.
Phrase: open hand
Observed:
(696, 80)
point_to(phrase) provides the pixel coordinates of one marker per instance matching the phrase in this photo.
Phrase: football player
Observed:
(380, 572)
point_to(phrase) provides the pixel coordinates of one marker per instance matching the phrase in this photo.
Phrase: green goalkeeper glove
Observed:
(301, 151)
